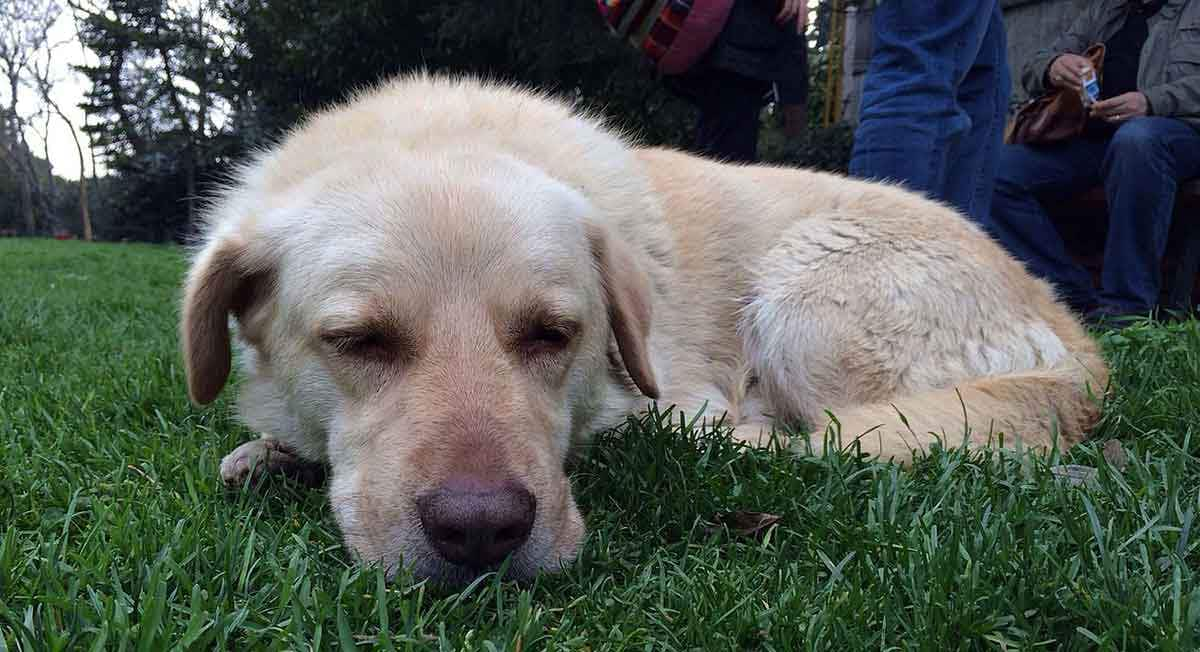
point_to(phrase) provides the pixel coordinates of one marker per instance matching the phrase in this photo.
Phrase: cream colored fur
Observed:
(445, 218)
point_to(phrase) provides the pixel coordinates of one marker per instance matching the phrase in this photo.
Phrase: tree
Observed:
(182, 88)
(175, 96)
(155, 106)
(40, 73)
(84, 209)
(24, 26)
(301, 55)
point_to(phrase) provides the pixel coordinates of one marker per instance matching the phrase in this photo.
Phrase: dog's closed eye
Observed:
(368, 344)
(549, 336)
(546, 335)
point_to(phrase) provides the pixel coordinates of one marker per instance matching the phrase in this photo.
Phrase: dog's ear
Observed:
(627, 296)
(221, 282)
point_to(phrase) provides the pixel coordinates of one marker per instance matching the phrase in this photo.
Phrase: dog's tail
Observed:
(1038, 409)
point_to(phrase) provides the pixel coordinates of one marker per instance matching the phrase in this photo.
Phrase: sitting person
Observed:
(1142, 139)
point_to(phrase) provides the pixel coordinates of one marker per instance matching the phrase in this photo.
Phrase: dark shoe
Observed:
(1113, 318)
(1081, 307)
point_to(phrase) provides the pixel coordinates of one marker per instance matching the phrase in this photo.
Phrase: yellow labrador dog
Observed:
(444, 286)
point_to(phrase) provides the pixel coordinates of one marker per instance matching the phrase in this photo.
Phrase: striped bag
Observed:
(673, 34)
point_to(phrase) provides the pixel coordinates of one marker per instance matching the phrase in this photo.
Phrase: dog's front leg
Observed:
(267, 456)
(759, 434)
(712, 406)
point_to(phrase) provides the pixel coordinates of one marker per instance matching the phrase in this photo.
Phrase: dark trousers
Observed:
(1140, 166)
(727, 127)
(934, 99)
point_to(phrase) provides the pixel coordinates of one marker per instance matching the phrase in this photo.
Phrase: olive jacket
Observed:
(1169, 70)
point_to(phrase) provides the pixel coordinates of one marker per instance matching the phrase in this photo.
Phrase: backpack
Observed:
(672, 34)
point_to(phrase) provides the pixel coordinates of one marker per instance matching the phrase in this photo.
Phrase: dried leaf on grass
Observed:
(746, 524)
(1115, 454)
(1075, 474)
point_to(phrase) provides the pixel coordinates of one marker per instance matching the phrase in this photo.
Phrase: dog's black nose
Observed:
(476, 522)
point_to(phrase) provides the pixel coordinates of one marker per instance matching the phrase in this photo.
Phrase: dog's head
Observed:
(449, 327)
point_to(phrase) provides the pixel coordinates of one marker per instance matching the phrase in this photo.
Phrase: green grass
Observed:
(115, 532)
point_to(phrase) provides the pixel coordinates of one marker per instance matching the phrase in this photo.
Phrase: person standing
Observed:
(762, 44)
(935, 100)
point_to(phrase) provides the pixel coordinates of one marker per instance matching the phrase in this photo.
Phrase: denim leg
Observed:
(1145, 161)
(983, 94)
(910, 113)
(1020, 223)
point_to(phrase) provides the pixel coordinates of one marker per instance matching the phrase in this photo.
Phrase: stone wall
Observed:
(1031, 25)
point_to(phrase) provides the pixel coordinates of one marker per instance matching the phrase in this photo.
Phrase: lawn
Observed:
(115, 532)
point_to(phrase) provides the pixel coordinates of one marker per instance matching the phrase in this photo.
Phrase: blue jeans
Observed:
(1140, 166)
(935, 99)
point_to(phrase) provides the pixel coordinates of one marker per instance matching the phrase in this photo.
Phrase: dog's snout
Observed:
(476, 522)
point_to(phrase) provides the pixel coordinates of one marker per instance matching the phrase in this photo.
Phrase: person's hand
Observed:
(795, 120)
(1122, 107)
(793, 10)
(1067, 71)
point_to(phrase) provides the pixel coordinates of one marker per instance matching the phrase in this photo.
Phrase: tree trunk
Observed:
(190, 172)
(50, 192)
(27, 206)
(92, 153)
(13, 143)
(199, 139)
(35, 183)
(120, 106)
(85, 216)
(185, 124)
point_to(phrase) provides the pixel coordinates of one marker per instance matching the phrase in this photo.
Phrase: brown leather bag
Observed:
(1056, 115)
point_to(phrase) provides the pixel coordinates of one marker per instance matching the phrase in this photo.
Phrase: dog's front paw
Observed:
(262, 457)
